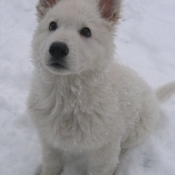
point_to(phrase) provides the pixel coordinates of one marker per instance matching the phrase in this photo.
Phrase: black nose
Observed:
(59, 50)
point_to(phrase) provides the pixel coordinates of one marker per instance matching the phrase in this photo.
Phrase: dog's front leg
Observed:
(52, 160)
(104, 161)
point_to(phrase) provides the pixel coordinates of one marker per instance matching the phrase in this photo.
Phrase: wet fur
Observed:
(97, 107)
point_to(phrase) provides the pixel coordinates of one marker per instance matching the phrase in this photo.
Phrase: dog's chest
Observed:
(76, 114)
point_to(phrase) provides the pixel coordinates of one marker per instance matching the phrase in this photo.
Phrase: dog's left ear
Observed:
(43, 6)
(110, 9)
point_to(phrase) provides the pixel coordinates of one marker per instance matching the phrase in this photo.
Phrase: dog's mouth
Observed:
(57, 64)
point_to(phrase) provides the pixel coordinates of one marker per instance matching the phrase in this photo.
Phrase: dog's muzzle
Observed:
(58, 52)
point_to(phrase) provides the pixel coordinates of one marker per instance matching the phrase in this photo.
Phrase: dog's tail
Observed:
(165, 91)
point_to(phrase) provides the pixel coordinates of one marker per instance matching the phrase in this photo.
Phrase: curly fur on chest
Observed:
(73, 111)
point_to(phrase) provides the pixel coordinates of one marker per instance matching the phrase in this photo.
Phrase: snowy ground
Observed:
(146, 42)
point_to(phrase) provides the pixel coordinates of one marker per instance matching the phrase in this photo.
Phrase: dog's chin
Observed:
(58, 69)
(62, 67)
(58, 66)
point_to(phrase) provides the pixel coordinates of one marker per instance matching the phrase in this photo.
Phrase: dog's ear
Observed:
(110, 9)
(43, 6)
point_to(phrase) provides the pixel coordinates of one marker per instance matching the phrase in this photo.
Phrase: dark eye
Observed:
(86, 32)
(53, 26)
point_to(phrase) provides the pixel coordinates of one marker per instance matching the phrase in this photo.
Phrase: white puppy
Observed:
(82, 102)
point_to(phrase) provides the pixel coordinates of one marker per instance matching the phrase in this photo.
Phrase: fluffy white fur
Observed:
(94, 108)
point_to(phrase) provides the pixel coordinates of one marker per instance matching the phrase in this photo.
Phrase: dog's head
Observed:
(75, 35)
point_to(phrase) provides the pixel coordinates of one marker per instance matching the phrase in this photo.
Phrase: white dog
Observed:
(82, 102)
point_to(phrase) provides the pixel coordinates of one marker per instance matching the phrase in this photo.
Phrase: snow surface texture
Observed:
(146, 42)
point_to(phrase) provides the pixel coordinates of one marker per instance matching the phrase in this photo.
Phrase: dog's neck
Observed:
(91, 77)
(49, 87)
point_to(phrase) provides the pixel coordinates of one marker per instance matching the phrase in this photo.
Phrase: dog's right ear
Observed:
(110, 9)
(43, 6)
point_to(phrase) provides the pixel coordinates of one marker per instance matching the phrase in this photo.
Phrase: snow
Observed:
(145, 41)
